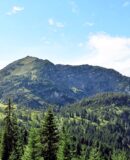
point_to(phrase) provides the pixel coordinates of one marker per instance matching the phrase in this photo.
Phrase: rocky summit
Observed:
(34, 82)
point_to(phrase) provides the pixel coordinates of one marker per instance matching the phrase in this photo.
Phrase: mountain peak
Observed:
(31, 59)
(25, 66)
(27, 59)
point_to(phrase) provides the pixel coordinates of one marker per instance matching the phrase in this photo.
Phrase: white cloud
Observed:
(74, 7)
(80, 45)
(56, 24)
(51, 22)
(15, 9)
(100, 49)
(126, 3)
(90, 24)
(108, 51)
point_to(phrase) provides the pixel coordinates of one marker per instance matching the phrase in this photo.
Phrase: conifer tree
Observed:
(67, 146)
(33, 148)
(95, 154)
(119, 155)
(7, 141)
(10, 135)
(64, 151)
(60, 153)
(78, 149)
(1, 141)
(17, 149)
(49, 137)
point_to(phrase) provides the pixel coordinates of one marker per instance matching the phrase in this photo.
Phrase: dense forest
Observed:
(96, 128)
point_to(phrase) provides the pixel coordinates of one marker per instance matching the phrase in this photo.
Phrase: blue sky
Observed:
(95, 32)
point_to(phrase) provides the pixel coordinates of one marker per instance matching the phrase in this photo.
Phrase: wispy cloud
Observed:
(126, 3)
(90, 24)
(59, 25)
(45, 40)
(80, 45)
(107, 51)
(74, 7)
(51, 22)
(56, 24)
(15, 10)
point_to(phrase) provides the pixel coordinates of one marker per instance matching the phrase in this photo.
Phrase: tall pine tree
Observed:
(10, 135)
(49, 137)
(18, 145)
(95, 154)
(7, 141)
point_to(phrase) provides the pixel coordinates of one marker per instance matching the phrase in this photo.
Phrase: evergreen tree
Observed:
(60, 153)
(1, 141)
(119, 155)
(7, 141)
(95, 154)
(10, 149)
(78, 149)
(49, 137)
(33, 148)
(67, 148)
(23, 135)
(65, 151)
(17, 148)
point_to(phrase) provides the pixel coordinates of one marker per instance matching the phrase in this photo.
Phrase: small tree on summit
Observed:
(49, 137)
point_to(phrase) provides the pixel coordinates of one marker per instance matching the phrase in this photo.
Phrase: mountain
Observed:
(34, 82)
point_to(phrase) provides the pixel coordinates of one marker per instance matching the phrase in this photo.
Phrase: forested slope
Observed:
(94, 127)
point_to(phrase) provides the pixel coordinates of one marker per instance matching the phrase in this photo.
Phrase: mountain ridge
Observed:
(34, 82)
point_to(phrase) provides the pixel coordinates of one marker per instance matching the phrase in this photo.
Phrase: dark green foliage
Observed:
(100, 123)
(95, 128)
(95, 154)
(119, 155)
(10, 136)
(49, 137)
(107, 99)
(78, 149)
(65, 147)
(17, 149)
(8, 141)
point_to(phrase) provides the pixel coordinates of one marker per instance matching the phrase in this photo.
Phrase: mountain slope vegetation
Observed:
(102, 121)
(96, 127)
(33, 82)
